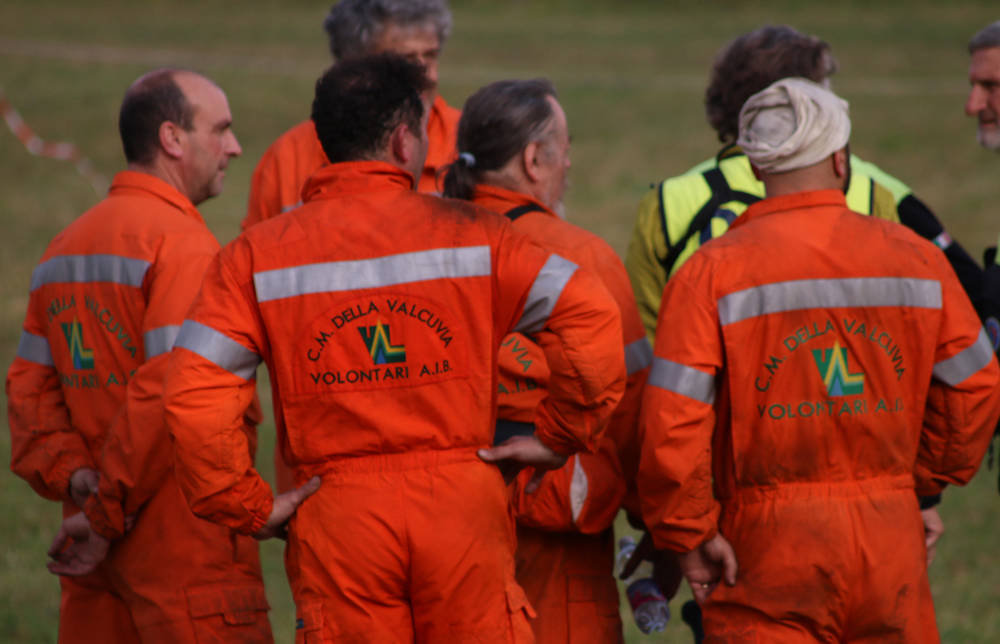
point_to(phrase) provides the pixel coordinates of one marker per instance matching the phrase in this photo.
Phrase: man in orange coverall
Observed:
(514, 144)
(801, 389)
(84, 392)
(382, 350)
(416, 29)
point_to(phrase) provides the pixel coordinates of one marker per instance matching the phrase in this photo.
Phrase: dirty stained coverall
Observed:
(85, 390)
(817, 386)
(382, 350)
(565, 545)
(280, 175)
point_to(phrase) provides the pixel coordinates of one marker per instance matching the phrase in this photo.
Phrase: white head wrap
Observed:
(793, 124)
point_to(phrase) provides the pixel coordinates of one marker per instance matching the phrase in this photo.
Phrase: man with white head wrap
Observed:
(813, 367)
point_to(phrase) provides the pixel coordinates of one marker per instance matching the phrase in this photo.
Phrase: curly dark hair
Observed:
(360, 101)
(755, 60)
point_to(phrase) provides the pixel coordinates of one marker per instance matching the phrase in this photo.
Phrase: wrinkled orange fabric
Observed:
(85, 390)
(382, 349)
(565, 545)
(818, 366)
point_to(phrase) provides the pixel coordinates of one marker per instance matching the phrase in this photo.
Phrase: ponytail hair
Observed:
(497, 123)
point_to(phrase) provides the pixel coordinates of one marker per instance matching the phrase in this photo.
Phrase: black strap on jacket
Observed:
(516, 212)
(721, 193)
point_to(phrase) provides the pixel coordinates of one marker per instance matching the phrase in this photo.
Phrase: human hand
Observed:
(523, 451)
(82, 483)
(933, 529)
(77, 549)
(283, 509)
(707, 564)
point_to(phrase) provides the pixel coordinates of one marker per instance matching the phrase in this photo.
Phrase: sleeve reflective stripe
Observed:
(638, 355)
(160, 340)
(285, 209)
(829, 293)
(544, 293)
(218, 348)
(328, 277)
(90, 268)
(35, 348)
(578, 488)
(682, 380)
(960, 366)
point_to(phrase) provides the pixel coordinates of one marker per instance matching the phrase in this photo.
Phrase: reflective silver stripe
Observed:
(578, 488)
(682, 380)
(35, 348)
(218, 348)
(285, 209)
(544, 293)
(90, 268)
(797, 295)
(160, 340)
(960, 366)
(440, 263)
(638, 355)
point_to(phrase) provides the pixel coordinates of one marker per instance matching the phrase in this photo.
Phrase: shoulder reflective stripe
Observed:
(35, 348)
(578, 488)
(638, 355)
(160, 340)
(328, 277)
(544, 293)
(797, 295)
(218, 348)
(960, 366)
(90, 268)
(683, 380)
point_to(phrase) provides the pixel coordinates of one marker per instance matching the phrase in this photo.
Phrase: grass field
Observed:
(631, 77)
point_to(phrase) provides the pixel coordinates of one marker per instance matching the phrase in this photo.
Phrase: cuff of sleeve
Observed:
(106, 517)
(259, 520)
(60, 475)
(928, 502)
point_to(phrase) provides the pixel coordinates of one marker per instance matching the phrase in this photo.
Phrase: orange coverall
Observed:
(277, 182)
(85, 390)
(382, 351)
(817, 386)
(565, 545)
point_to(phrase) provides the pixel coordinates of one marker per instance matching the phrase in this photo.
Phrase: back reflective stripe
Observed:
(544, 293)
(683, 380)
(328, 277)
(35, 348)
(218, 348)
(90, 268)
(960, 366)
(638, 355)
(797, 295)
(160, 340)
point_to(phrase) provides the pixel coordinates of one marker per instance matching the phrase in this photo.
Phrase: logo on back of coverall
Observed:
(833, 367)
(380, 346)
(83, 358)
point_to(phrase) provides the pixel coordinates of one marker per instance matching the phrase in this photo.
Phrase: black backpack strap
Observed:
(514, 213)
(721, 193)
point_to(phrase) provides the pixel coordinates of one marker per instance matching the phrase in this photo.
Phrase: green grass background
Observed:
(631, 77)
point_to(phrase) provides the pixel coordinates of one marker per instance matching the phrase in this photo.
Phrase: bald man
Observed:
(84, 392)
(794, 405)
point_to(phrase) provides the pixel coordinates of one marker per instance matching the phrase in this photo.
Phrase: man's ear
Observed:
(840, 163)
(399, 146)
(170, 139)
(531, 160)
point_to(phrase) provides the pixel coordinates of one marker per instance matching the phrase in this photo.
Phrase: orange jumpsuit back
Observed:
(107, 301)
(379, 312)
(565, 544)
(818, 366)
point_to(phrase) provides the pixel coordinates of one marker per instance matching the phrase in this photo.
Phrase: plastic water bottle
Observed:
(649, 606)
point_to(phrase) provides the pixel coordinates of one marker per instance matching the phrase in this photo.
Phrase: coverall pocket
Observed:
(592, 612)
(520, 611)
(222, 613)
(309, 623)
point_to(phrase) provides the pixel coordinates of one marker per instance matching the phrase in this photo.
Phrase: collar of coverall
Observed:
(355, 176)
(795, 201)
(130, 181)
(502, 200)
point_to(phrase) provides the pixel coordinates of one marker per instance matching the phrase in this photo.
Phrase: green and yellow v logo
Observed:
(380, 348)
(83, 358)
(832, 365)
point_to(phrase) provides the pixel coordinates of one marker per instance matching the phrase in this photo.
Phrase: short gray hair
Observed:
(985, 38)
(353, 25)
